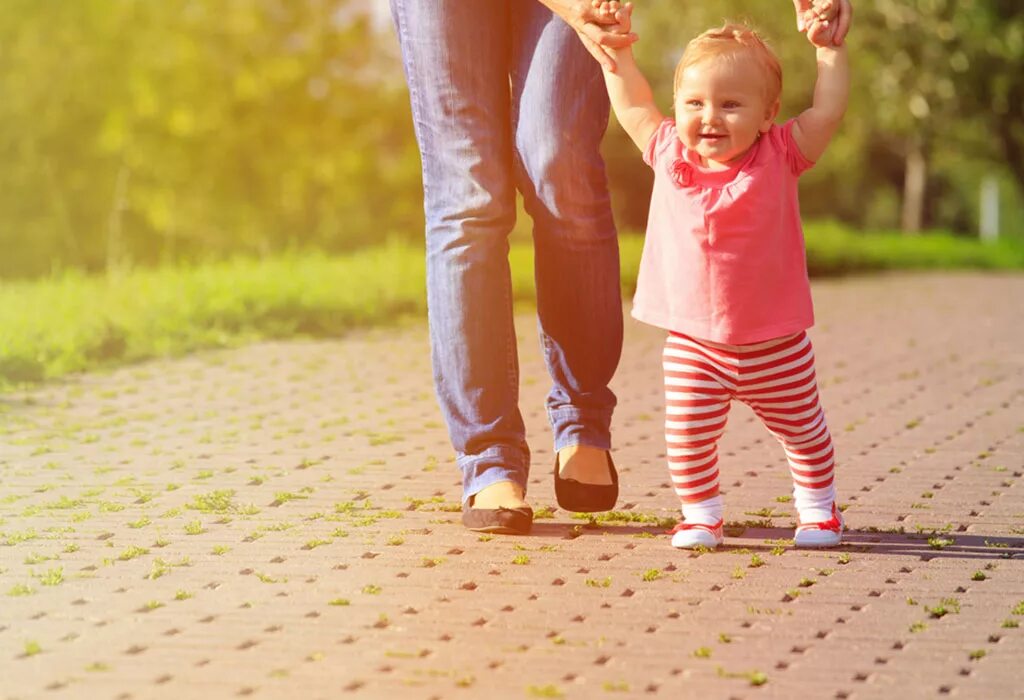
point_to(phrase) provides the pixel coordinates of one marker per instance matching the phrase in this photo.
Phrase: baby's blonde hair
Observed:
(726, 42)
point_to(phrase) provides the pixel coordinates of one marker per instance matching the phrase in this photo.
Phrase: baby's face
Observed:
(721, 109)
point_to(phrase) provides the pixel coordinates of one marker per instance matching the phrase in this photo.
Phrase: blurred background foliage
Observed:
(135, 132)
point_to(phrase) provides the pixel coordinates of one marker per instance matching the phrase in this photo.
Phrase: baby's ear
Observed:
(769, 116)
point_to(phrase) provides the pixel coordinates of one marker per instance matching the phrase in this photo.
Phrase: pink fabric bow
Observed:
(681, 173)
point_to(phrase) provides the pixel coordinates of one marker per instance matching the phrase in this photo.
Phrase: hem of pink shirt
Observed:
(700, 330)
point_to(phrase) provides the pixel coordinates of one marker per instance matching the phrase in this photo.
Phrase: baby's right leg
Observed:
(697, 395)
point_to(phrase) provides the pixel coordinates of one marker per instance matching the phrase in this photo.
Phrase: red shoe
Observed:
(824, 534)
(692, 535)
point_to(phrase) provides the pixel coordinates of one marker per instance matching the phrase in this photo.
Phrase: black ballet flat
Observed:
(498, 521)
(579, 497)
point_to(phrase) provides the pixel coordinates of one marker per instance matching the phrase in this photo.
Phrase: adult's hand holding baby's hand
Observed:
(820, 22)
(620, 13)
(594, 28)
(826, 22)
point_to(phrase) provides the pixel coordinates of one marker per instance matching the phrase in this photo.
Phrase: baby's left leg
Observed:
(785, 398)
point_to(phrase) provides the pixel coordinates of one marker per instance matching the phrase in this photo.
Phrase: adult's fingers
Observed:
(801, 7)
(617, 41)
(601, 37)
(843, 22)
(599, 54)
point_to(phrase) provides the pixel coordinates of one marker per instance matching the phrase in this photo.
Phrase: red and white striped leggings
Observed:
(776, 379)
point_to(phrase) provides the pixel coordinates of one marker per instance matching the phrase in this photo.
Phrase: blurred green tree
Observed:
(138, 131)
(946, 81)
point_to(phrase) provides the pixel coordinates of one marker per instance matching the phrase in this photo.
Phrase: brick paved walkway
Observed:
(280, 521)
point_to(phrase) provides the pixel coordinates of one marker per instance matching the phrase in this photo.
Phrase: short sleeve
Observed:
(782, 139)
(661, 140)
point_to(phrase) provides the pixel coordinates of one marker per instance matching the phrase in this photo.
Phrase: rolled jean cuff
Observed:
(574, 426)
(493, 465)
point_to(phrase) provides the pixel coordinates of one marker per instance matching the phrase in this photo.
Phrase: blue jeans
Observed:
(505, 97)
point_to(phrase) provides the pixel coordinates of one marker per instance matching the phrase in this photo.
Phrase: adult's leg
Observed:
(560, 113)
(456, 59)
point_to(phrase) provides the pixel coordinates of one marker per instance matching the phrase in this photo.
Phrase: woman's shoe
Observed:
(579, 497)
(498, 521)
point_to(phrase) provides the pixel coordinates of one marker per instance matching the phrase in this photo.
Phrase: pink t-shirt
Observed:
(724, 255)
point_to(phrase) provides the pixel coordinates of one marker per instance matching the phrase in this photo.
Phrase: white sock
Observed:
(706, 512)
(814, 505)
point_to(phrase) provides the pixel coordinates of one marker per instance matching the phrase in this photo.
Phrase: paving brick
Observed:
(282, 519)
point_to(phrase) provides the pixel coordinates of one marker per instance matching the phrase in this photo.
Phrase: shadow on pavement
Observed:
(926, 546)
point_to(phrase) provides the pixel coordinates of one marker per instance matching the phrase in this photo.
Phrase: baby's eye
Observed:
(731, 104)
(694, 103)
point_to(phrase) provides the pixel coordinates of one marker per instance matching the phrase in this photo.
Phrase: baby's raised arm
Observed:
(815, 126)
(628, 89)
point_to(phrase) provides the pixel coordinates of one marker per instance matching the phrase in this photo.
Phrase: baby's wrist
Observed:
(822, 39)
(828, 52)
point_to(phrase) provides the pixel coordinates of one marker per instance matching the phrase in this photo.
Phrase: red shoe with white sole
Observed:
(692, 535)
(824, 534)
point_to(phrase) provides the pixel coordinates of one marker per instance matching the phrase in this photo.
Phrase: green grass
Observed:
(833, 249)
(214, 502)
(651, 575)
(71, 322)
(52, 577)
(132, 552)
(625, 516)
(945, 607)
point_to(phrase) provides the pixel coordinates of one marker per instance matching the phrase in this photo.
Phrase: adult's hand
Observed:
(592, 27)
(805, 13)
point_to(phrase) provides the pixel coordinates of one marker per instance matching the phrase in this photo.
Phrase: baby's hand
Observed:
(819, 20)
(613, 11)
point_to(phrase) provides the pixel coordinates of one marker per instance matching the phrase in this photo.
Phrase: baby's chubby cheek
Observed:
(683, 130)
